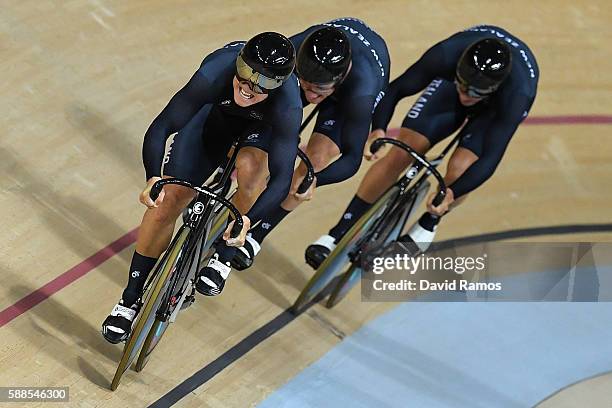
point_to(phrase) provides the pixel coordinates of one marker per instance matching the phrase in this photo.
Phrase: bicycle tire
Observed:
(352, 275)
(338, 258)
(146, 316)
(158, 328)
(344, 286)
(350, 278)
(153, 338)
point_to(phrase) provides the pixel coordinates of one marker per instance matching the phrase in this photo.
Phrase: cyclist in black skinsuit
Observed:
(482, 81)
(343, 65)
(239, 90)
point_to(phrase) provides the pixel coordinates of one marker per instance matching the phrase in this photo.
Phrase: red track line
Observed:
(552, 120)
(80, 270)
(570, 120)
(66, 278)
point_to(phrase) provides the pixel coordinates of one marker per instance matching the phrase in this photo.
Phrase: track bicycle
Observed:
(170, 287)
(381, 224)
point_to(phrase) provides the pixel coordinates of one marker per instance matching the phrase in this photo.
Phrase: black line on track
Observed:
(244, 346)
(287, 316)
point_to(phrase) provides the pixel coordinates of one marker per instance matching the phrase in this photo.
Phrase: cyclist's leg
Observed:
(466, 154)
(421, 233)
(196, 152)
(434, 116)
(157, 224)
(323, 147)
(252, 168)
(252, 172)
(321, 150)
(384, 172)
(184, 161)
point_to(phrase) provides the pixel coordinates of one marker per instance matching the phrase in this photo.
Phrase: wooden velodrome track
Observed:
(82, 80)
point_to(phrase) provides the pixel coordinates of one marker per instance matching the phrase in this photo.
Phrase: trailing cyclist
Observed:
(343, 67)
(483, 81)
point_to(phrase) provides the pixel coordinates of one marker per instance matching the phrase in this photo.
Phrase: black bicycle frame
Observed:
(404, 196)
(204, 205)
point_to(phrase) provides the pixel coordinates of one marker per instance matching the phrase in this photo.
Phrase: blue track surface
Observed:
(458, 355)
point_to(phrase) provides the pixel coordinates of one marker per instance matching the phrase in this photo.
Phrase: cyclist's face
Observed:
(467, 100)
(244, 96)
(464, 98)
(316, 93)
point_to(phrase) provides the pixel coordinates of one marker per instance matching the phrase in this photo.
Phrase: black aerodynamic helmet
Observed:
(266, 61)
(324, 56)
(483, 66)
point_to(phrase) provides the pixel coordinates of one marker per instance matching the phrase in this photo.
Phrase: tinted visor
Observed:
(259, 83)
(472, 91)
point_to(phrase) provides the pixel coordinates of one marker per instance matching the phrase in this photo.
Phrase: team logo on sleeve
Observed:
(329, 123)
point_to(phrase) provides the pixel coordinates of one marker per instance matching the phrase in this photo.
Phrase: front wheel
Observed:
(338, 258)
(388, 230)
(155, 334)
(176, 264)
(152, 300)
(344, 286)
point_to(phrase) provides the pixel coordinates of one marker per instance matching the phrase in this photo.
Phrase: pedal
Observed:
(189, 299)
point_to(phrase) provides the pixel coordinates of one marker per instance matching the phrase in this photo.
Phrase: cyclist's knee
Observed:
(250, 188)
(251, 164)
(414, 139)
(460, 161)
(320, 159)
(396, 161)
(251, 172)
(175, 200)
(248, 163)
(321, 151)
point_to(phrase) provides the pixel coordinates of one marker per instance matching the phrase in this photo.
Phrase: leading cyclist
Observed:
(239, 90)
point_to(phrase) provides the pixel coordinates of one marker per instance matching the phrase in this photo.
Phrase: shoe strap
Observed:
(223, 269)
(120, 310)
